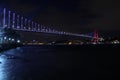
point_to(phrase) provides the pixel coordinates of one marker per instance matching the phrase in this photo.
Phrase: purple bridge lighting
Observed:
(18, 22)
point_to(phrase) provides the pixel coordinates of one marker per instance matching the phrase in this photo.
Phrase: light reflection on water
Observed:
(47, 63)
(9, 65)
(19, 68)
(25, 66)
(3, 73)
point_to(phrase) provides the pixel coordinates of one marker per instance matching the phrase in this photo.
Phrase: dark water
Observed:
(88, 62)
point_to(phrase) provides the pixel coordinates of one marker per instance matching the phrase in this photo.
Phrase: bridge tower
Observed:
(96, 37)
(4, 18)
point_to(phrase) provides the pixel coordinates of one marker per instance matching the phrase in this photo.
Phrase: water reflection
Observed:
(34, 63)
(9, 66)
(3, 72)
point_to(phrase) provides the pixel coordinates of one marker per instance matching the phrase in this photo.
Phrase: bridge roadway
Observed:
(46, 37)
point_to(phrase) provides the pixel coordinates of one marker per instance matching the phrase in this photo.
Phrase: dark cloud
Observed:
(109, 11)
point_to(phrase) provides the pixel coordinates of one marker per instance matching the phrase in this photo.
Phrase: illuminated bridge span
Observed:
(18, 22)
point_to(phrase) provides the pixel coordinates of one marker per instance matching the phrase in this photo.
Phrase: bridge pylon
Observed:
(96, 37)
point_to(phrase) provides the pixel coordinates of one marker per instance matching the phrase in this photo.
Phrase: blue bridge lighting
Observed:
(19, 23)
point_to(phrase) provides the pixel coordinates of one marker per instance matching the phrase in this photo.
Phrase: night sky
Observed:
(79, 16)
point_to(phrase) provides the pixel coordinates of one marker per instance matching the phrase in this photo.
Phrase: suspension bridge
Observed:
(19, 23)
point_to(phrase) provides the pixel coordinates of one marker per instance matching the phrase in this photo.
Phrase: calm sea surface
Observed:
(87, 62)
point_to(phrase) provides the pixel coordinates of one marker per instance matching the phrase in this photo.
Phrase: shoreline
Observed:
(4, 47)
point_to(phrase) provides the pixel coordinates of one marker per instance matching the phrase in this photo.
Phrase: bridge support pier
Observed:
(95, 37)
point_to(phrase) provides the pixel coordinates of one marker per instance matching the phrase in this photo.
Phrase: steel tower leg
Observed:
(95, 37)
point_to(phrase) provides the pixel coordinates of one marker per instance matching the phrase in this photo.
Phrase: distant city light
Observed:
(9, 39)
(5, 37)
(18, 41)
(13, 39)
